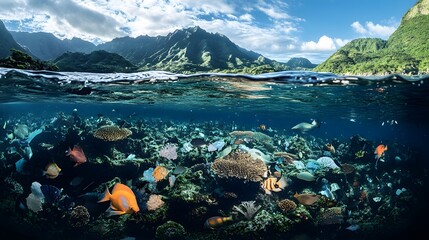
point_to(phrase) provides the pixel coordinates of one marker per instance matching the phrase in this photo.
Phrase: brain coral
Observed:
(112, 133)
(79, 216)
(240, 165)
(286, 205)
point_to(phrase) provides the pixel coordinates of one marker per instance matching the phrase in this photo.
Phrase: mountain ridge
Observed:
(46, 46)
(183, 50)
(7, 42)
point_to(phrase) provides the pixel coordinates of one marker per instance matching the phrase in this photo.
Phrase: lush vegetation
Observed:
(405, 52)
(369, 56)
(21, 60)
(97, 61)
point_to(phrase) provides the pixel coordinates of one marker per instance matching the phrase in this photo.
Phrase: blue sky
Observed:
(276, 29)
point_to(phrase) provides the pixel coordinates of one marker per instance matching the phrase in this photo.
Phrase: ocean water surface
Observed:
(357, 146)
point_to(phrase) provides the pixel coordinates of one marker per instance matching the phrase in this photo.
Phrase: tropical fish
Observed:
(77, 155)
(215, 222)
(306, 198)
(271, 184)
(51, 193)
(122, 200)
(263, 127)
(52, 170)
(379, 151)
(304, 127)
(330, 148)
(198, 142)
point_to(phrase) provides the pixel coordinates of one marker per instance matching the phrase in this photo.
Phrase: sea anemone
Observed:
(112, 133)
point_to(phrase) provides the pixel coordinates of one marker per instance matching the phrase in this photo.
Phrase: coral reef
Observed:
(79, 216)
(154, 202)
(333, 215)
(213, 173)
(248, 209)
(240, 165)
(287, 205)
(170, 230)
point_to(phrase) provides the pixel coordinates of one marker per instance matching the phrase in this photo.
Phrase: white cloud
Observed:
(325, 43)
(246, 17)
(341, 42)
(275, 9)
(265, 27)
(373, 30)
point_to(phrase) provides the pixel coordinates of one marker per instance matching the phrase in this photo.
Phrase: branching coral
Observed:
(240, 165)
(112, 133)
(247, 208)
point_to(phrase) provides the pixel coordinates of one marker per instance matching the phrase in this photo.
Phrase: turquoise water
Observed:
(354, 114)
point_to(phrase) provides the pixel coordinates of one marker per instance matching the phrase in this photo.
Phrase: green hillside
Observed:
(97, 61)
(405, 52)
(21, 60)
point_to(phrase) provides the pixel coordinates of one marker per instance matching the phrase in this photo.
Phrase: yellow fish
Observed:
(217, 221)
(271, 184)
(122, 200)
(52, 170)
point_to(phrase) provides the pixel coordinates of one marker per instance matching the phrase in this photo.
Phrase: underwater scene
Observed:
(157, 155)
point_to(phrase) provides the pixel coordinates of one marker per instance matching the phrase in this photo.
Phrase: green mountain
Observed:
(187, 51)
(46, 46)
(7, 42)
(405, 52)
(300, 63)
(190, 50)
(97, 61)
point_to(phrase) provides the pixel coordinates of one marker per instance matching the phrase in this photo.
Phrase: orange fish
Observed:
(379, 151)
(217, 221)
(122, 200)
(52, 171)
(271, 184)
(77, 155)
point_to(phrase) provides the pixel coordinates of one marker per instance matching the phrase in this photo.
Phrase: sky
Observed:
(277, 29)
